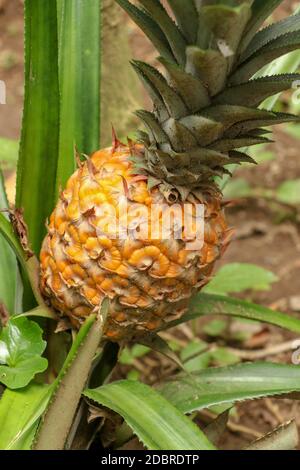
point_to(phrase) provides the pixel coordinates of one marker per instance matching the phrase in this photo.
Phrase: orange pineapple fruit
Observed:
(205, 108)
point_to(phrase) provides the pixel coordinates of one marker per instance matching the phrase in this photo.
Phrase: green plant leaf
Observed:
(271, 32)
(19, 412)
(8, 153)
(210, 304)
(21, 347)
(238, 277)
(79, 81)
(36, 174)
(9, 293)
(261, 10)
(150, 28)
(30, 420)
(214, 386)
(158, 424)
(30, 265)
(289, 192)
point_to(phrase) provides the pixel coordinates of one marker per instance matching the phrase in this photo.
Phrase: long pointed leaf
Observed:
(158, 424)
(214, 386)
(39, 143)
(209, 304)
(254, 92)
(261, 10)
(263, 37)
(79, 80)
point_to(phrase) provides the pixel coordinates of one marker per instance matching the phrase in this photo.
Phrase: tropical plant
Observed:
(56, 355)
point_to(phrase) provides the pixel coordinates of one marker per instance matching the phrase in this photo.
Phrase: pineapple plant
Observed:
(206, 111)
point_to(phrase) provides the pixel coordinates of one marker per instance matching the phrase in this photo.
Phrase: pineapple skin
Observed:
(149, 282)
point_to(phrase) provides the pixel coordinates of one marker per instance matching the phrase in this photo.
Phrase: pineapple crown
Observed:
(206, 103)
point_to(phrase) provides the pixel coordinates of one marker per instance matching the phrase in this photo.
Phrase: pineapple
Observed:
(206, 108)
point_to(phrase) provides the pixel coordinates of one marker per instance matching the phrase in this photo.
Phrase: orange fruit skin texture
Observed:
(149, 281)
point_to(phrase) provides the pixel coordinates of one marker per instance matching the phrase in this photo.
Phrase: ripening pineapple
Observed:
(205, 108)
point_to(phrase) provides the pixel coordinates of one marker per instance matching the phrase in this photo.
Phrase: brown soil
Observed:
(259, 239)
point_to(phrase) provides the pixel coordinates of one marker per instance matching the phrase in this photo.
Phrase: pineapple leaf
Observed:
(240, 157)
(270, 33)
(230, 115)
(248, 126)
(266, 54)
(180, 137)
(7, 231)
(175, 38)
(158, 344)
(153, 126)
(224, 145)
(210, 304)
(38, 157)
(150, 28)
(254, 92)
(187, 18)
(174, 104)
(191, 89)
(155, 421)
(159, 104)
(29, 265)
(204, 130)
(209, 66)
(10, 295)
(79, 81)
(227, 24)
(240, 382)
(261, 10)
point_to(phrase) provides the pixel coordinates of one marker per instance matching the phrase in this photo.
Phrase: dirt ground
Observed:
(259, 238)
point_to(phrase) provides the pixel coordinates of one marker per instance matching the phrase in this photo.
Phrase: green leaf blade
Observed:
(211, 304)
(37, 163)
(21, 347)
(156, 422)
(19, 412)
(239, 382)
(79, 80)
(8, 263)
